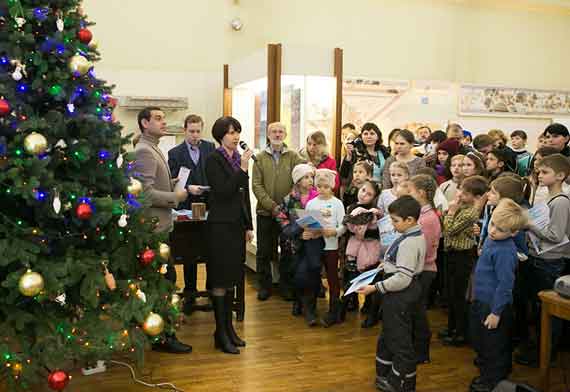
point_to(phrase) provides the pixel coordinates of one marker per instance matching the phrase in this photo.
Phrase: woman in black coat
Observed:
(229, 226)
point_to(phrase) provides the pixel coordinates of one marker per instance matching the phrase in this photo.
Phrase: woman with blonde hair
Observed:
(316, 153)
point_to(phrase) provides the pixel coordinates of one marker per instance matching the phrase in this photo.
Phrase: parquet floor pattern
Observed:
(283, 355)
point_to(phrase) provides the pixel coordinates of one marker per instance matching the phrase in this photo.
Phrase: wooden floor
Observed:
(283, 355)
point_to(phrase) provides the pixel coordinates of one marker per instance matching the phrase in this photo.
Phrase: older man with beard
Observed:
(271, 182)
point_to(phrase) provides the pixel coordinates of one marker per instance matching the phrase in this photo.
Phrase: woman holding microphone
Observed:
(229, 226)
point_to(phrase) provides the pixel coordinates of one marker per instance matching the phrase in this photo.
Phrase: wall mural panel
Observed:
(509, 101)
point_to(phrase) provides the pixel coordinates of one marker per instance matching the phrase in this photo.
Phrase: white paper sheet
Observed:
(183, 175)
(362, 280)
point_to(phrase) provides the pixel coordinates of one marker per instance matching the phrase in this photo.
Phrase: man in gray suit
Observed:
(154, 173)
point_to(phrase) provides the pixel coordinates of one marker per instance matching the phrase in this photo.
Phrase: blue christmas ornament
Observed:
(41, 14)
(104, 155)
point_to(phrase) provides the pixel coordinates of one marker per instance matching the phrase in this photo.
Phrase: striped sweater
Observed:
(409, 262)
(458, 228)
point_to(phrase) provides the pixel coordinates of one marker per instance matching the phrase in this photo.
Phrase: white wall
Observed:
(177, 47)
(203, 90)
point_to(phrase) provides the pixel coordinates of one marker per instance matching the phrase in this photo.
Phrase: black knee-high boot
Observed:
(234, 338)
(221, 338)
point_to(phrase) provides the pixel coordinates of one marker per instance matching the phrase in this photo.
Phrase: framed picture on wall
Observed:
(481, 100)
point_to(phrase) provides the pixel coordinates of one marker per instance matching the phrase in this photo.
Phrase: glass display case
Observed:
(307, 105)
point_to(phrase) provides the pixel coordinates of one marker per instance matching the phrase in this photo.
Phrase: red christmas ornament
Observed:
(85, 36)
(113, 102)
(4, 107)
(147, 257)
(84, 211)
(57, 380)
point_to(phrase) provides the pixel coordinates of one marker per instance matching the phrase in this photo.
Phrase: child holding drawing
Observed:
(401, 290)
(363, 245)
(290, 239)
(332, 211)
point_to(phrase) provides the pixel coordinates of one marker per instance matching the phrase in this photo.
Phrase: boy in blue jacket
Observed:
(491, 312)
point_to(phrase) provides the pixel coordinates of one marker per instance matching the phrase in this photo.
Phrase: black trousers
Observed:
(439, 284)
(422, 332)
(395, 355)
(459, 265)
(493, 346)
(267, 239)
(190, 278)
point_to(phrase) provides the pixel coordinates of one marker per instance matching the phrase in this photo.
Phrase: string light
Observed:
(22, 87)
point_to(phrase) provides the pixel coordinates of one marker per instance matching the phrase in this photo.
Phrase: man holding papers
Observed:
(192, 154)
(187, 161)
(158, 186)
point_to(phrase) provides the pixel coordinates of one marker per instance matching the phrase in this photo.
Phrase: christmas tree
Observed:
(80, 267)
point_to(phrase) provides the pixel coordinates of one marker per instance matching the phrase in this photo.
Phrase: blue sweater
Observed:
(495, 274)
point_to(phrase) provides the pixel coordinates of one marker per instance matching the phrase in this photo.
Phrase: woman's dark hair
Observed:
(407, 135)
(505, 155)
(437, 137)
(349, 126)
(373, 127)
(378, 146)
(222, 126)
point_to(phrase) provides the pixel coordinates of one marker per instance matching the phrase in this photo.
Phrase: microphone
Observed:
(245, 147)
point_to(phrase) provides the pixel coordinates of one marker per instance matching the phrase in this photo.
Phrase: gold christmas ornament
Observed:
(164, 251)
(31, 284)
(110, 280)
(35, 143)
(79, 65)
(135, 187)
(17, 369)
(153, 324)
(94, 44)
(175, 301)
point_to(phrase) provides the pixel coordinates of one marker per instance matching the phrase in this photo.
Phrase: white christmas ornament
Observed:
(120, 160)
(59, 24)
(61, 144)
(17, 74)
(20, 21)
(123, 220)
(56, 203)
(60, 299)
(70, 107)
(141, 295)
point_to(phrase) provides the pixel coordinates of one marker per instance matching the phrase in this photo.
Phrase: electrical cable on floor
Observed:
(164, 385)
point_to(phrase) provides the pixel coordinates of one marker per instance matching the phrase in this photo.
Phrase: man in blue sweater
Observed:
(491, 312)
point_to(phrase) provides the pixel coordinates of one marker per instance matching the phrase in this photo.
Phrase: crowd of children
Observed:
(462, 232)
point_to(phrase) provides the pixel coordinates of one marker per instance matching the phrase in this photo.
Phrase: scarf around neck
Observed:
(234, 160)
